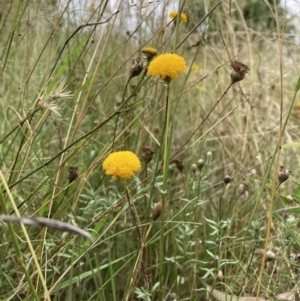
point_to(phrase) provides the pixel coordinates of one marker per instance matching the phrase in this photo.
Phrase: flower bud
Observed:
(156, 211)
(194, 168)
(200, 164)
(227, 179)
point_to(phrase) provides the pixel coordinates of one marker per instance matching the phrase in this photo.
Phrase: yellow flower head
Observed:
(123, 164)
(150, 52)
(173, 14)
(167, 65)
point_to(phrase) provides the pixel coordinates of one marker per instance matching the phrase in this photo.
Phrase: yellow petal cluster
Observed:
(167, 65)
(149, 50)
(183, 18)
(122, 164)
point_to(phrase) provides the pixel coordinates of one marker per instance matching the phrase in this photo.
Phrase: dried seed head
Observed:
(178, 162)
(137, 67)
(156, 211)
(200, 164)
(283, 175)
(73, 173)
(49, 101)
(242, 190)
(238, 71)
(227, 179)
(194, 168)
(148, 153)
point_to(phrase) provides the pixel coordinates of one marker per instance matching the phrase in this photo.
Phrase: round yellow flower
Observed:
(150, 52)
(167, 65)
(122, 164)
(173, 14)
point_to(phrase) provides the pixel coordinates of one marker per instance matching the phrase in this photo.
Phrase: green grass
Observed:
(61, 95)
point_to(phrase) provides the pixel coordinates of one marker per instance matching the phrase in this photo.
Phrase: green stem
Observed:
(164, 190)
(166, 143)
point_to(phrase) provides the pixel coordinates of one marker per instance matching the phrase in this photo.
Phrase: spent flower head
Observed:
(148, 153)
(137, 67)
(238, 71)
(167, 65)
(283, 175)
(73, 173)
(173, 14)
(122, 164)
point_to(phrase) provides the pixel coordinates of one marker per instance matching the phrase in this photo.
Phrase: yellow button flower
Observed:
(173, 14)
(122, 164)
(167, 65)
(150, 52)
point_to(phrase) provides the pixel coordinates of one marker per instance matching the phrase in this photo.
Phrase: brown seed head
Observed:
(283, 175)
(148, 153)
(73, 173)
(137, 67)
(238, 71)
(178, 162)
(227, 179)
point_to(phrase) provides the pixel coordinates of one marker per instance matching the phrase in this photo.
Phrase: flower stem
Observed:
(164, 189)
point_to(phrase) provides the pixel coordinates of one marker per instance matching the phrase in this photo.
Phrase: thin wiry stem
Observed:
(139, 262)
(164, 188)
(201, 123)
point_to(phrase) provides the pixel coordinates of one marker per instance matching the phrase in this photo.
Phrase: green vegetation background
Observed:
(67, 102)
